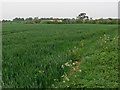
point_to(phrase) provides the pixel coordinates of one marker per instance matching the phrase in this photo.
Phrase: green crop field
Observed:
(60, 55)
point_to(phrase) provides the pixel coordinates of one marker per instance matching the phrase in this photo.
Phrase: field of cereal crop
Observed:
(60, 55)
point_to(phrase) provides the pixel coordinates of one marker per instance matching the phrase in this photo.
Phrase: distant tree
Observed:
(37, 21)
(3, 20)
(118, 21)
(79, 21)
(82, 16)
(18, 19)
(36, 18)
(91, 19)
(29, 19)
(110, 19)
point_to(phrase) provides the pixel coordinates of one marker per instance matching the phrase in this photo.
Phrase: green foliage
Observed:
(38, 55)
(81, 19)
(18, 19)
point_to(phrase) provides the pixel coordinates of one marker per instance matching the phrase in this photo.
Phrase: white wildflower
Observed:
(76, 62)
(40, 71)
(75, 47)
(62, 66)
(73, 63)
(62, 76)
(70, 60)
(63, 81)
(54, 79)
(80, 70)
(53, 85)
(67, 79)
(68, 86)
(67, 64)
(73, 68)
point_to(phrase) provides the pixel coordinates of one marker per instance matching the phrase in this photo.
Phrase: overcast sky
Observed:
(11, 10)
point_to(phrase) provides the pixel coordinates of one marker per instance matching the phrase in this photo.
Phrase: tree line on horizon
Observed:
(82, 18)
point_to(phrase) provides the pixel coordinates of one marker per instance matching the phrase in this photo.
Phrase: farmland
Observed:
(60, 55)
